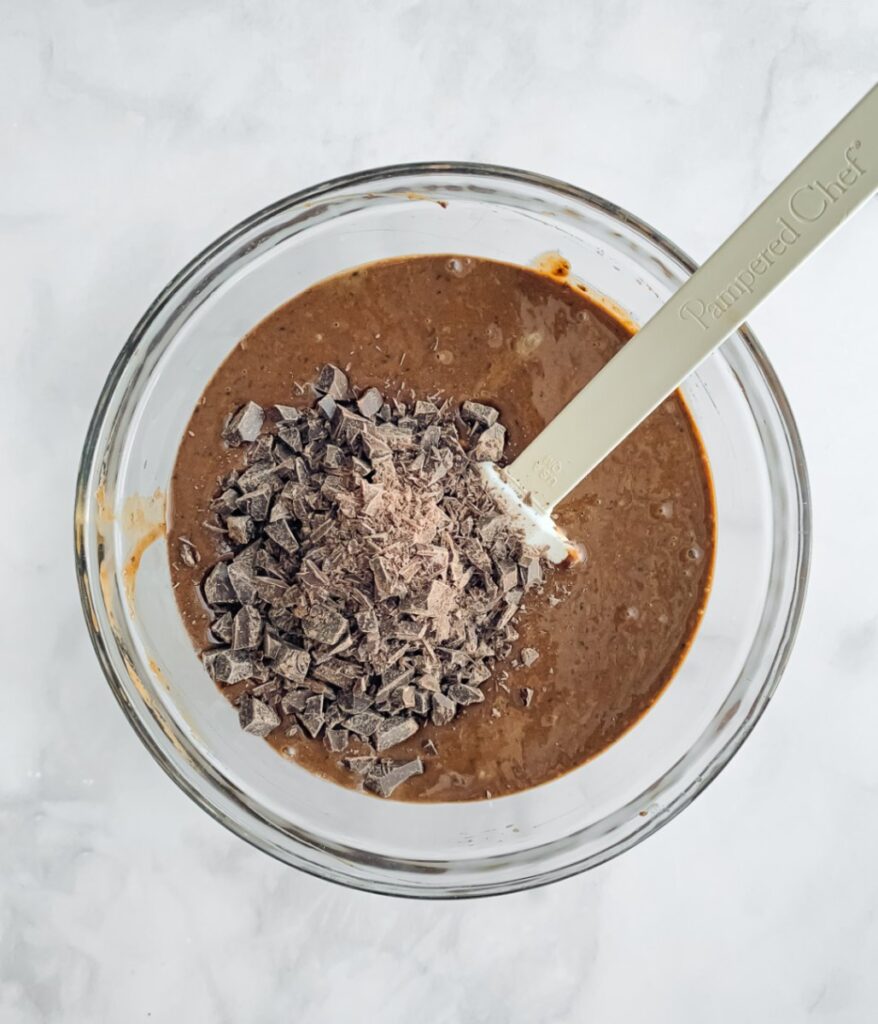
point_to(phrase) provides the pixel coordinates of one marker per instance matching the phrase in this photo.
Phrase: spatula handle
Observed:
(839, 175)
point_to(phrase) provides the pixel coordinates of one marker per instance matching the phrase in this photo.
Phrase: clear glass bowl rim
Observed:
(90, 590)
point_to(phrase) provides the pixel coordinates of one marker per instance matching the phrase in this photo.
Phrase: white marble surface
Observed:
(133, 133)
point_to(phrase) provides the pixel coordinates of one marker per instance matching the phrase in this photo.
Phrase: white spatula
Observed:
(837, 177)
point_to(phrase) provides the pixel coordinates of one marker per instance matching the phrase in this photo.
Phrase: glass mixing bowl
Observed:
(434, 850)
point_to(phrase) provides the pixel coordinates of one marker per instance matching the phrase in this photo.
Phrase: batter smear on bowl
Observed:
(353, 588)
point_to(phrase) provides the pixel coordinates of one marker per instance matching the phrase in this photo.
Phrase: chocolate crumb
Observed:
(529, 655)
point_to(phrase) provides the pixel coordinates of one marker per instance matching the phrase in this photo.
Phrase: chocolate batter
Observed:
(525, 342)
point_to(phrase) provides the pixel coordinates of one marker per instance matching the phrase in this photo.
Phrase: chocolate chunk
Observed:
(507, 575)
(359, 765)
(270, 590)
(531, 571)
(241, 529)
(490, 444)
(393, 731)
(218, 588)
(417, 700)
(189, 555)
(292, 663)
(384, 777)
(336, 740)
(333, 382)
(364, 723)
(245, 425)
(464, 694)
(288, 413)
(528, 656)
(370, 402)
(282, 535)
(256, 475)
(325, 625)
(242, 576)
(294, 700)
(229, 667)
(226, 502)
(327, 405)
(443, 709)
(527, 695)
(475, 412)
(247, 629)
(312, 717)
(256, 502)
(337, 672)
(256, 717)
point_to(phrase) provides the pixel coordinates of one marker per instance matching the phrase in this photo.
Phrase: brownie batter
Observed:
(525, 342)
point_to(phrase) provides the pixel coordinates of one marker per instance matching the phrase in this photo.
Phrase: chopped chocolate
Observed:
(333, 382)
(359, 765)
(257, 502)
(312, 717)
(531, 571)
(294, 700)
(241, 529)
(256, 716)
(325, 625)
(283, 536)
(475, 412)
(528, 656)
(443, 709)
(364, 723)
(527, 695)
(465, 694)
(247, 628)
(490, 444)
(327, 405)
(229, 667)
(292, 663)
(245, 425)
(370, 402)
(336, 740)
(217, 586)
(222, 628)
(373, 581)
(383, 777)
